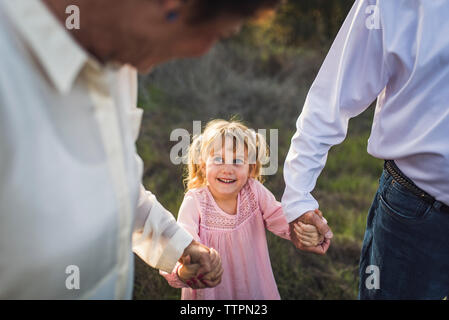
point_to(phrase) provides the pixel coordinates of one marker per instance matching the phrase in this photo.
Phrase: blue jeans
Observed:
(405, 252)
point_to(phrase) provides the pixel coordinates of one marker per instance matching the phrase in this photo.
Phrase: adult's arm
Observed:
(352, 75)
(157, 238)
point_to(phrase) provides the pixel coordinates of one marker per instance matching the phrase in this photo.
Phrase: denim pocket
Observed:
(400, 203)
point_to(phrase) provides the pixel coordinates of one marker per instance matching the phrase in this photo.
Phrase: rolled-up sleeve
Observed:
(157, 238)
(353, 74)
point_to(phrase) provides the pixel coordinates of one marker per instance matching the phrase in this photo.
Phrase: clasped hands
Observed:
(311, 233)
(200, 266)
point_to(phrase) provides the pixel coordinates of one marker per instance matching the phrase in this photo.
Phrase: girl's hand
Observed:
(308, 234)
(187, 271)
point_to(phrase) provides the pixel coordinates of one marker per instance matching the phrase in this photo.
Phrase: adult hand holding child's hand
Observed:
(201, 266)
(304, 236)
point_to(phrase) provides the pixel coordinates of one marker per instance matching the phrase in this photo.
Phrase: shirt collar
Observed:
(60, 56)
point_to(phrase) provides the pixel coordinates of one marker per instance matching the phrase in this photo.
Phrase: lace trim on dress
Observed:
(212, 218)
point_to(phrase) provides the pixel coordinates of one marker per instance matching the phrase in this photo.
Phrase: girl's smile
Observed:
(225, 178)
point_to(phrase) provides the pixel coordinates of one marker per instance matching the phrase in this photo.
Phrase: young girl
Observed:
(227, 208)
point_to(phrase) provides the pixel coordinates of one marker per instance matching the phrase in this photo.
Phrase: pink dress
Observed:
(240, 240)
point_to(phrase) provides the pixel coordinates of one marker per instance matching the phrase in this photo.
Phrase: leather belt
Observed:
(406, 182)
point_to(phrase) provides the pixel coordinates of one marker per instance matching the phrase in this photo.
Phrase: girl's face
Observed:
(226, 172)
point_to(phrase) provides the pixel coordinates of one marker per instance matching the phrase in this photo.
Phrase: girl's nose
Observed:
(228, 168)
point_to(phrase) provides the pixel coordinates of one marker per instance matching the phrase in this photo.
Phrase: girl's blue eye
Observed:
(218, 160)
(238, 161)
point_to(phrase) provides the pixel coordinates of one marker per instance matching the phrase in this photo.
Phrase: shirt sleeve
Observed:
(351, 77)
(272, 212)
(189, 219)
(157, 238)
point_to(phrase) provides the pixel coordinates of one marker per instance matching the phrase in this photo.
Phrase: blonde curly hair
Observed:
(215, 133)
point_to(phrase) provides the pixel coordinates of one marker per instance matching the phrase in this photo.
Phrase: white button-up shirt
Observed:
(396, 51)
(72, 206)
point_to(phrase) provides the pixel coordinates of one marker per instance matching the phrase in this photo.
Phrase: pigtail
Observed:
(262, 154)
(195, 176)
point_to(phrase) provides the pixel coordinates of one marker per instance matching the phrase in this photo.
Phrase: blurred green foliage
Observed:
(263, 76)
(314, 22)
(299, 24)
